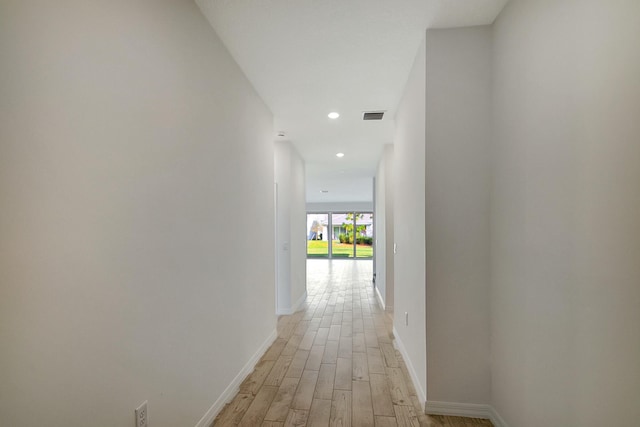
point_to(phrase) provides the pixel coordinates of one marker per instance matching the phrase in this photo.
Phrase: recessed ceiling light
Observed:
(340, 155)
(333, 115)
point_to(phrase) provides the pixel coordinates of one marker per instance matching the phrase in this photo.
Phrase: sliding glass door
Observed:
(317, 236)
(340, 235)
(364, 234)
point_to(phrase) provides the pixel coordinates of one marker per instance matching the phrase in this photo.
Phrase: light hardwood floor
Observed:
(333, 363)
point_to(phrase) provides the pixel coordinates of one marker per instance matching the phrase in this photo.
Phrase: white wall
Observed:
(136, 183)
(458, 119)
(298, 230)
(291, 237)
(565, 214)
(384, 227)
(409, 223)
(340, 206)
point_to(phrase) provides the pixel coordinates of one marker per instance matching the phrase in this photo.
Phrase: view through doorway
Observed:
(340, 235)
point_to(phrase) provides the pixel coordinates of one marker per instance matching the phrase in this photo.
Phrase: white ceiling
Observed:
(307, 58)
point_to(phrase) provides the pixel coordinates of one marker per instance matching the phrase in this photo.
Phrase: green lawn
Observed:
(321, 248)
(317, 247)
(364, 251)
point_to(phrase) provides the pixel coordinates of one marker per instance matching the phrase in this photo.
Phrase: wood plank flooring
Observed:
(333, 363)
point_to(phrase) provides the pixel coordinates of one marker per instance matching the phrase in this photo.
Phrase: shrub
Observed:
(364, 240)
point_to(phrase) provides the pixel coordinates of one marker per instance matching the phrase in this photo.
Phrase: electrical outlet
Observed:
(406, 318)
(142, 416)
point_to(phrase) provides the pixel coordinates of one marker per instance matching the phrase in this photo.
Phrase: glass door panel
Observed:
(317, 235)
(364, 234)
(342, 235)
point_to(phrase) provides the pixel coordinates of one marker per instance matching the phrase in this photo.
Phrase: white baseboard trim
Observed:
(233, 388)
(422, 396)
(289, 311)
(496, 419)
(472, 410)
(300, 302)
(380, 299)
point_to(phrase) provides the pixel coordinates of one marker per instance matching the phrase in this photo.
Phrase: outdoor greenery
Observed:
(321, 248)
(360, 240)
(348, 226)
(364, 240)
(353, 229)
(317, 247)
(364, 251)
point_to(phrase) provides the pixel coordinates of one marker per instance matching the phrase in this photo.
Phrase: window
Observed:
(351, 235)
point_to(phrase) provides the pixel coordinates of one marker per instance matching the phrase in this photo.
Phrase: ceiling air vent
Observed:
(372, 115)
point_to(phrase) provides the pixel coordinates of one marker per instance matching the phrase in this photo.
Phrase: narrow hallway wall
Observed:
(409, 224)
(291, 243)
(458, 124)
(133, 155)
(565, 240)
(384, 228)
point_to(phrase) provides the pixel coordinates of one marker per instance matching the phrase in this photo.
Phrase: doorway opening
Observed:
(340, 235)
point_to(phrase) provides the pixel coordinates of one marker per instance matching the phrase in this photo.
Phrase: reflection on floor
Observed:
(334, 363)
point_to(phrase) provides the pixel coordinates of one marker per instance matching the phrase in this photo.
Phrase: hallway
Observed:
(333, 362)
